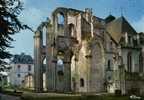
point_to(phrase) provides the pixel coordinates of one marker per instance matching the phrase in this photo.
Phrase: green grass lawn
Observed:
(115, 98)
(30, 95)
(83, 97)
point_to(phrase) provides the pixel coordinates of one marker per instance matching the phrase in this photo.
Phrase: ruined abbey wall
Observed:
(81, 54)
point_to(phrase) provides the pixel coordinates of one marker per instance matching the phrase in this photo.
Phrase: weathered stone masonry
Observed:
(83, 52)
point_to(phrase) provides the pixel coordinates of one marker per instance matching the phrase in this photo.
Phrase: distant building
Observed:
(22, 70)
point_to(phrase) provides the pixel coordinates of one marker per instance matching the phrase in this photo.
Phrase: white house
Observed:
(22, 70)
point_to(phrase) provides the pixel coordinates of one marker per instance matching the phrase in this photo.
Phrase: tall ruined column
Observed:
(50, 67)
(66, 27)
(64, 81)
(38, 74)
(67, 71)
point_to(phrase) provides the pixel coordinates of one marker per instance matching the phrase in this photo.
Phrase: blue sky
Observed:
(36, 11)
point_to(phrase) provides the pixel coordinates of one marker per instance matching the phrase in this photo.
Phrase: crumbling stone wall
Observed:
(71, 43)
(84, 49)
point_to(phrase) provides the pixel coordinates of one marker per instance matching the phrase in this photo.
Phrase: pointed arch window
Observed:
(72, 30)
(81, 82)
(141, 62)
(129, 62)
(60, 17)
(109, 65)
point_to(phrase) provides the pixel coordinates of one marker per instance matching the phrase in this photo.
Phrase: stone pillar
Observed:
(55, 24)
(67, 81)
(38, 74)
(66, 27)
(67, 71)
(50, 66)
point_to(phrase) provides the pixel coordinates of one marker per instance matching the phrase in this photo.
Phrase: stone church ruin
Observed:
(85, 53)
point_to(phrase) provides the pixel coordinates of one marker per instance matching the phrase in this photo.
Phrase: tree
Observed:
(9, 25)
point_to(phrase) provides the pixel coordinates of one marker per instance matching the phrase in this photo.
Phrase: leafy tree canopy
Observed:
(9, 25)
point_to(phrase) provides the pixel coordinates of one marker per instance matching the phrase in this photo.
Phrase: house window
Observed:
(135, 42)
(18, 75)
(129, 39)
(18, 67)
(129, 62)
(109, 78)
(109, 65)
(81, 82)
(111, 45)
(29, 67)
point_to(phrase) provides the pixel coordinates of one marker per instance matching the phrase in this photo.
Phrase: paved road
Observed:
(8, 97)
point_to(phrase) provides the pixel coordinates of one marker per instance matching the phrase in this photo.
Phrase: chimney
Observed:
(88, 14)
(88, 11)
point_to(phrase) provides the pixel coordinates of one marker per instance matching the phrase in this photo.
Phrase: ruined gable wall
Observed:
(97, 70)
(83, 67)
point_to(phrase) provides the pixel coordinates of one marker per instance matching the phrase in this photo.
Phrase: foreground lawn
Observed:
(29, 95)
(115, 98)
(72, 97)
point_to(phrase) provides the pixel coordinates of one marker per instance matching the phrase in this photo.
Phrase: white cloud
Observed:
(139, 25)
(32, 17)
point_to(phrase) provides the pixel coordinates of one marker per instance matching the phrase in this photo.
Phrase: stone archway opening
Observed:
(60, 17)
(72, 31)
(44, 36)
(60, 65)
(82, 82)
(63, 71)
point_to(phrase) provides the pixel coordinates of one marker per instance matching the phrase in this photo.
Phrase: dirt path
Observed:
(8, 97)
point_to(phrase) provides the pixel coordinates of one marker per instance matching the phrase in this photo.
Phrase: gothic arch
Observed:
(59, 10)
(42, 31)
(72, 30)
(109, 64)
(82, 82)
(129, 61)
(60, 19)
(57, 26)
